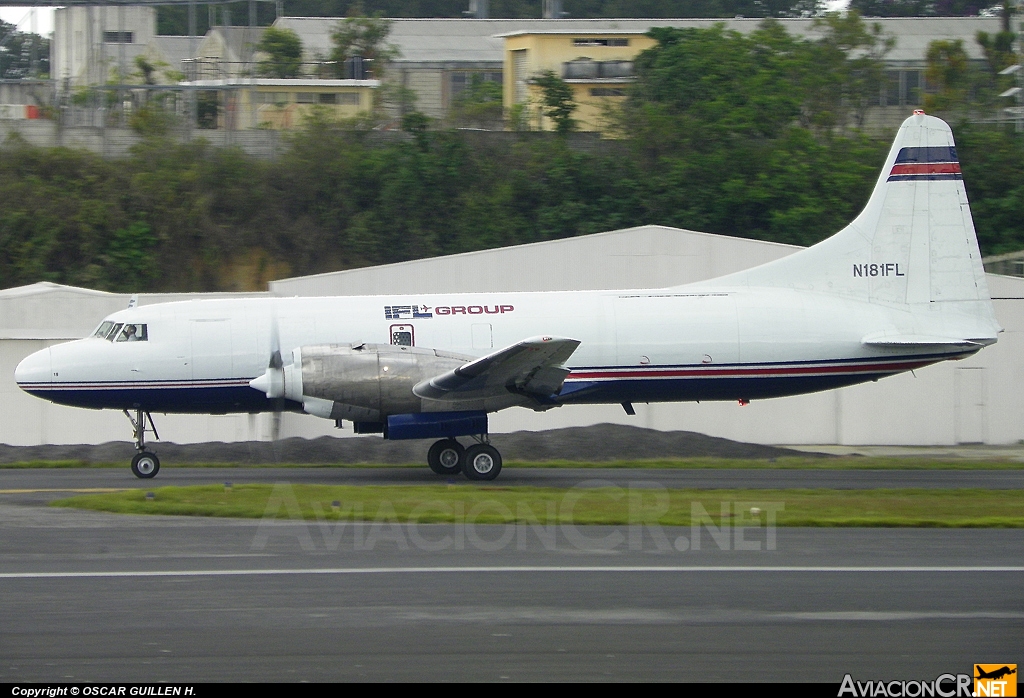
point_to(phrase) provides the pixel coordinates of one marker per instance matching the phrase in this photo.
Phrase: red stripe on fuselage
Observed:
(927, 168)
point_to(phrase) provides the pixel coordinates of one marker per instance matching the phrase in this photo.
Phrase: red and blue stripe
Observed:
(927, 163)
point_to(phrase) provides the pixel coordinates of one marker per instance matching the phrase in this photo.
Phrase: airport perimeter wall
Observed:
(117, 142)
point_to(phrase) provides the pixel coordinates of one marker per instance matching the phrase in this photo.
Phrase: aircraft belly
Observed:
(179, 398)
(740, 381)
(709, 389)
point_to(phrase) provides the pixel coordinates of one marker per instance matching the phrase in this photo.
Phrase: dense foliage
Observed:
(723, 133)
(282, 51)
(16, 53)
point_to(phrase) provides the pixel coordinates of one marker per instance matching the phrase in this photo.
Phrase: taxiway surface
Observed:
(41, 485)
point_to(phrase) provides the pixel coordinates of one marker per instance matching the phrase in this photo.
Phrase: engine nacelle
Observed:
(362, 382)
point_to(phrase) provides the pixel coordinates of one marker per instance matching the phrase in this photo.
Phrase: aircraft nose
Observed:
(34, 368)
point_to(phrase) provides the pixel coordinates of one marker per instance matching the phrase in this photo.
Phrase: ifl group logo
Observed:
(995, 680)
(990, 680)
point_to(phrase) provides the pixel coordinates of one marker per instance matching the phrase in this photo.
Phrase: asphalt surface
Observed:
(87, 596)
(43, 485)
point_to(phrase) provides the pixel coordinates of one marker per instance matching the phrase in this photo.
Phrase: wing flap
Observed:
(532, 367)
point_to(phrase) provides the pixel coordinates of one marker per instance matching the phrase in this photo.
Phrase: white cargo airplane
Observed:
(899, 288)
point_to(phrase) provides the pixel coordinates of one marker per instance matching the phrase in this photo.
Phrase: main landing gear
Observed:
(145, 464)
(481, 461)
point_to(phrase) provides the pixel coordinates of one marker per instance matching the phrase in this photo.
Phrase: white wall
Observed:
(77, 50)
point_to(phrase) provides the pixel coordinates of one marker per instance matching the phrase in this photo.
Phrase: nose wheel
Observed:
(145, 464)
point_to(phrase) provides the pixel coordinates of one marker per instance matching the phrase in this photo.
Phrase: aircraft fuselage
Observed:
(679, 344)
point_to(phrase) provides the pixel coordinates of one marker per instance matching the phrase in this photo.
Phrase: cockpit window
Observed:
(132, 333)
(118, 332)
(103, 330)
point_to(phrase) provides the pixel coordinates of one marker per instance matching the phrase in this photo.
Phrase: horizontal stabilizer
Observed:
(531, 367)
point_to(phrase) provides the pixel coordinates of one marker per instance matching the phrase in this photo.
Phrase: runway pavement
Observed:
(87, 596)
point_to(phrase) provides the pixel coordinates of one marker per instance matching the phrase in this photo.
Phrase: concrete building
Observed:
(975, 400)
(438, 57)
(94, 45)
(284, 103)
(597, 66)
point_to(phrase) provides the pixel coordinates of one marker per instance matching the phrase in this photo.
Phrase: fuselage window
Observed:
(132, 333)
(113, 332)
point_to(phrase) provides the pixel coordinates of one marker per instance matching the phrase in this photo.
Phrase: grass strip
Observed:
(795, 463)
(467, 503)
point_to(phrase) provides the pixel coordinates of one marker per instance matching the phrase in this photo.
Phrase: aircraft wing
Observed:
(532, 367)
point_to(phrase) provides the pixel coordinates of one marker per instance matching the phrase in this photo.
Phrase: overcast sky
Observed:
(21, 16)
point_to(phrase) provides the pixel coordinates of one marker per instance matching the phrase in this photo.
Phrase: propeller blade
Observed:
(275, 342)
(275, 426)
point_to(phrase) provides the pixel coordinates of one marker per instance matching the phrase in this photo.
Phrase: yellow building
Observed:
(597, 65)
(282, 103)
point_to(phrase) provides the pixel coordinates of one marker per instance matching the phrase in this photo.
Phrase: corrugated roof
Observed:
(478, 40)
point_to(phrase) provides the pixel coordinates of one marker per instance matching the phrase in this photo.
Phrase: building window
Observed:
(519, 73)
(349, 98)
(118, 37)
(607, 92)
(600, 42)
(587, 69)
(328, 98)
(902, 88)
(305, 97)
(272, 97)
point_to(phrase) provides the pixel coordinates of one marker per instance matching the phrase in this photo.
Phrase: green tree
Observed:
(359, 36)
(283, 50)
(129, 259)
(850, 69)
(16, 53)
(949, 71)
(719, 82)
(480, 104)
(556, 100)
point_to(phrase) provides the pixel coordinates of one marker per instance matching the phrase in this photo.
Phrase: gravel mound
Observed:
(601, 442)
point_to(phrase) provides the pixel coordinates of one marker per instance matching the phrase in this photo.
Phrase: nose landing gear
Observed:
(145, 464)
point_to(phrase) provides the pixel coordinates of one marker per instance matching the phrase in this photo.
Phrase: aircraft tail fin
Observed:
(913, 244)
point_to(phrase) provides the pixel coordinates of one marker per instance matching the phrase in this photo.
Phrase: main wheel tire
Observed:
(481, 462)
(145, 465)
(445, 457)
